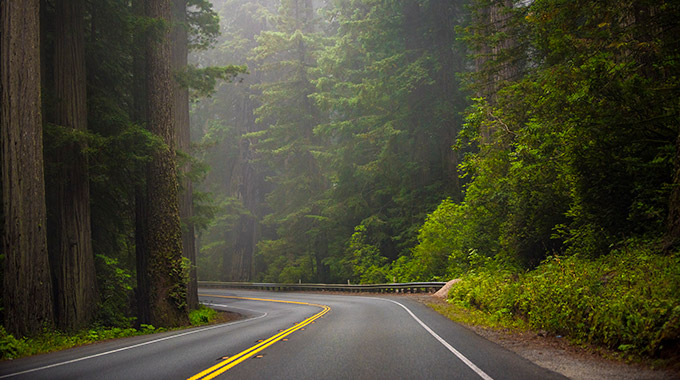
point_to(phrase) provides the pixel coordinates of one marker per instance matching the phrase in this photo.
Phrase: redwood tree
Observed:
(139, 116)
(180, 53)
(76, 294)
(165, 272)
(27, 285)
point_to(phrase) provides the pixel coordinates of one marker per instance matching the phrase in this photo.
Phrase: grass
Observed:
(475, 317)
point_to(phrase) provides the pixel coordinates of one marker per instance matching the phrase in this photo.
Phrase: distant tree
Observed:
(220, 122)
(27, 291)
(357, 106)
(287, 144)
(389, 84)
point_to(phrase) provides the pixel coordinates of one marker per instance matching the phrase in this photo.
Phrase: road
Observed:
(294, 336)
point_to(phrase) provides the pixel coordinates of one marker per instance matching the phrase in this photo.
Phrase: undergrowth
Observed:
(202, 316)
(628, 300)
(51, 340)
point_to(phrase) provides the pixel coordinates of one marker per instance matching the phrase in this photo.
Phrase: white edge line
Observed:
(139, 344)
(441, 340)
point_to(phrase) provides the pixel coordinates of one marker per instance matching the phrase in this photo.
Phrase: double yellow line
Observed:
(231, 362)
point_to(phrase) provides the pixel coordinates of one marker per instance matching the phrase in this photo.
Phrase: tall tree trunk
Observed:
(183, 143)
(167, 290)
(139, 116)
(27, 285)
(76, 294)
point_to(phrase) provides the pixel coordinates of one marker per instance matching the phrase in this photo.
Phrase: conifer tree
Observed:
(180, 51)
(288, 143)
(76, 290)
(163, 234)
(27, 288)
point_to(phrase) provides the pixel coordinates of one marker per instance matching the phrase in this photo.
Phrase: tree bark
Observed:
(167, 290)
(139, 116)
(76, 293)
(180, 54)
(27, 288)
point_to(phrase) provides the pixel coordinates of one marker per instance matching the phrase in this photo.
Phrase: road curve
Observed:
(307, 336)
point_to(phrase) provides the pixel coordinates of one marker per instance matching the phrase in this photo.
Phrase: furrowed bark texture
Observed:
(164, 234)
(76, 293)
(183, 142)
(27, 284)
(139, 116)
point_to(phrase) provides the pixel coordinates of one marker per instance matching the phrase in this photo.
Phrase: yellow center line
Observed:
(231, 362)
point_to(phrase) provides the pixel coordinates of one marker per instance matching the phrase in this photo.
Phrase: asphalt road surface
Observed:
(294, 336)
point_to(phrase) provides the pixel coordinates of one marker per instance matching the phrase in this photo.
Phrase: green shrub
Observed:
(628, 300)
(115, 288)
(491, 286)
(10, 347)
(440, 243)
(201, 316)
(368, 264)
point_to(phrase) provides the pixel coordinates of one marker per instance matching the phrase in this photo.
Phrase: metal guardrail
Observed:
(406, 287)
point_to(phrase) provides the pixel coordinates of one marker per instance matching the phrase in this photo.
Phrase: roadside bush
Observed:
(10, 347)
(202, 316)
(628, 300)
(491, 285)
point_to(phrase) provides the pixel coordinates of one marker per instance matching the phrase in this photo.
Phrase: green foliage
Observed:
(286, 147)
(115, 292)
(442, 249)
(216, 215)
(284, 265)
(477, 317)
(367, 262)
(10, 347)
(626, 300)
(203, 24)
(50, 340)
(571, 140)
(202, 81)
(202, 316)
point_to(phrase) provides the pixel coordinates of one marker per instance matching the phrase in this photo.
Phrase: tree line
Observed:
(97, 206)
(402, 140)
